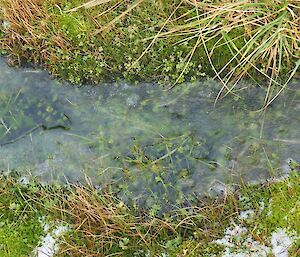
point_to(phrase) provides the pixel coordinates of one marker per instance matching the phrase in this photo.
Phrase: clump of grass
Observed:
(25, 21)
(104, 225)
(262, 37)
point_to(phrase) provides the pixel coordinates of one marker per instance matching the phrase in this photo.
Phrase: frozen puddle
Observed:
(152, 145)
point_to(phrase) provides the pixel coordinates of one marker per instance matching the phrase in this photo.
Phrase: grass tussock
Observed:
(103, 226)
(167, 41)
(270, 31)
(20, 16)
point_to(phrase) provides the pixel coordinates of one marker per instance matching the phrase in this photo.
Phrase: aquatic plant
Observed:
(21, 115)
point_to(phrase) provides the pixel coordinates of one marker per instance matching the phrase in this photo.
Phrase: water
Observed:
(151, 145)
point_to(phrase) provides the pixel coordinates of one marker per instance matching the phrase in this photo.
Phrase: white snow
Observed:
(248, 214)
(24, 180)
(49, 245)
(244, 246)
(239, 242)
(280, 242)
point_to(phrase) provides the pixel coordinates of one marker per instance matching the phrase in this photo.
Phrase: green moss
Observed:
(19, 237)
(284, 206)
(20, 226)
(280, 202)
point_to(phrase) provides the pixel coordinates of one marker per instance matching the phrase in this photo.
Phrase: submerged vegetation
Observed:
(98, 224)
(112, 134)
(165, 41)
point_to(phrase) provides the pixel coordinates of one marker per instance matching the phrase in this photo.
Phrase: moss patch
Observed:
(281, 206)
(20, 226)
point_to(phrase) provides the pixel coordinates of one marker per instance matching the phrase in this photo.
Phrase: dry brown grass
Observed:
(28, 28)
(23, 17)
(105, 226)
(103, 223)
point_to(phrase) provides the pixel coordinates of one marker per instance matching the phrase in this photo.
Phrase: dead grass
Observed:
(105, 226)
(21, 16)
(29, 32)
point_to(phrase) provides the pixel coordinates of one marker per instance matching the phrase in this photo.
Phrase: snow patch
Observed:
(49, 246)
(239, 243)
(248, 214)
(261, 206)
(24, 180)
(281, 243)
